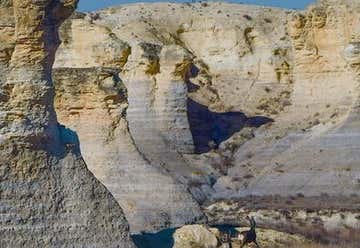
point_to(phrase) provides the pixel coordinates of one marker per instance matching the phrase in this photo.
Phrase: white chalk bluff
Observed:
(48, 198)
(227, 100)
(185, 112)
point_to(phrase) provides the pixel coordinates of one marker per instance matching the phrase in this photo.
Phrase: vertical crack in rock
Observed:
(48, 198)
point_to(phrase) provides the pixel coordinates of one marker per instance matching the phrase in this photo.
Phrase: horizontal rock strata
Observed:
(48, 197)
(209, 101)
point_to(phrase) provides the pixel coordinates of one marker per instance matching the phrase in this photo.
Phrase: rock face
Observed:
(7, 32)
(180, 104)
(94, 102)
(194, 236)
(311, 147)
(222, 101)
(48, 198)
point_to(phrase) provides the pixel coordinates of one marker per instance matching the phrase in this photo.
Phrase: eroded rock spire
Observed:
(48, 198)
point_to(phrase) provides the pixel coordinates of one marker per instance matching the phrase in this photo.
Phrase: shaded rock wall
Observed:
(48, 198)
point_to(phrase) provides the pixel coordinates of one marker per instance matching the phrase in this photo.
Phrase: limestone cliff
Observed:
(93, 101)
(48, 198)
(270, 96)
(208, 101)
(311, 148)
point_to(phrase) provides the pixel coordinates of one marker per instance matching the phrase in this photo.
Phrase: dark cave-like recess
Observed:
(209, 128)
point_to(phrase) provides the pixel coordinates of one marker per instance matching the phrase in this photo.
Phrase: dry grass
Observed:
(153, 67)
(298, 245)
(354, 245)
(124, 57)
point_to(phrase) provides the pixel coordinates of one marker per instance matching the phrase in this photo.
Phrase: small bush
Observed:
(153, 67)
(247, 17)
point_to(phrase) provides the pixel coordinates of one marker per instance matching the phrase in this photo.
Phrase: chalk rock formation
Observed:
(194, 236)
(7, 32)
(311, 148)
(137, 122)
(93, 101)
(48, 198)
(223, 100)
(87, 45)
(297, 68)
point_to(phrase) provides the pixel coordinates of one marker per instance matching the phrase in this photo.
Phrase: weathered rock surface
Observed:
(194, 236)
(288, 66)
(311, 148)
(7, 32)
(310, 217)
(48, 198)
(222, 101)
(93, 101)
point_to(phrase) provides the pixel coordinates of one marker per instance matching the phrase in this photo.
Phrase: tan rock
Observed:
(93, 102)
(299, 68)
(194, 236)
(88, 45)
(48, 197)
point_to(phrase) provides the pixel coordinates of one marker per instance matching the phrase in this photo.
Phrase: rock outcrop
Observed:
(270, 97)
(48, 197)
(310, 217)
(194, 236)
(205, 102)
(93, 101)
(311, 148)
(7, 32)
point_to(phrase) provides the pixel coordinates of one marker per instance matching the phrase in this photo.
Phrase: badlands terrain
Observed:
(149, 117)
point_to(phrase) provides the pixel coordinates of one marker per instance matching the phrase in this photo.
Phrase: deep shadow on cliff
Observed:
(209, 128)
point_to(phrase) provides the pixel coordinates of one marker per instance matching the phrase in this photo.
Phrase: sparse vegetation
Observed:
(182, 69)
(267, 20)
(247, 17)
(153, 67)
(248, 176)
(204, 4)
(124, 57)
(180, 31)
(248, 38)
(314, 245)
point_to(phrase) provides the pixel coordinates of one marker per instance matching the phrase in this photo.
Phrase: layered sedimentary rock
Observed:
(48, 197)
(7, 32)
(219, 100)
(311, 148)
(93, 101)
(147, 115)
(157, 70)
